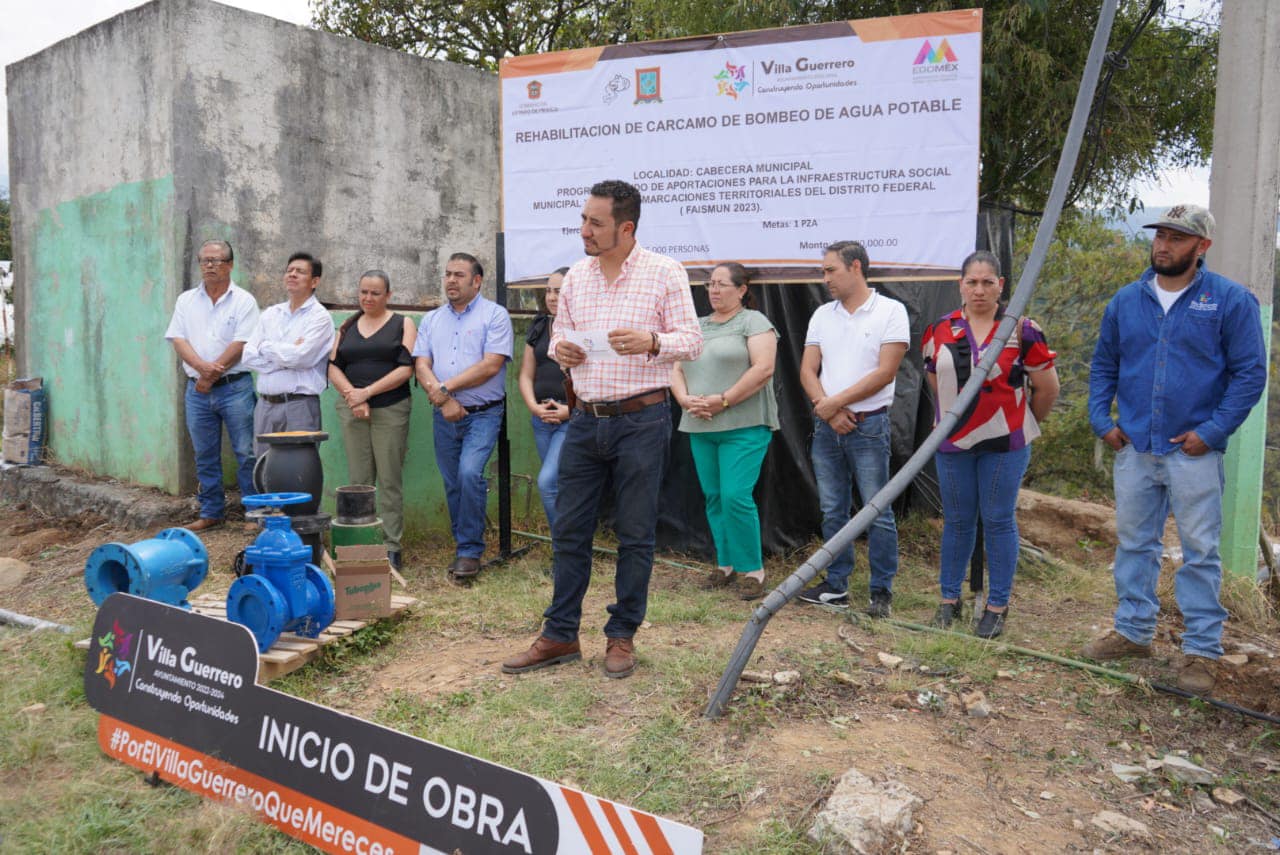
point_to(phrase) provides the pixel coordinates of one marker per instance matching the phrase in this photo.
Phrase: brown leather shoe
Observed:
(1196, 674)
(715, 579)
(541, 653)
(203, 524)
(1113, 645)
(466, 568)
(748, 588)
(619, 658)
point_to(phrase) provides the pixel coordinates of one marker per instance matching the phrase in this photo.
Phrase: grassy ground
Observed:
(752, 780)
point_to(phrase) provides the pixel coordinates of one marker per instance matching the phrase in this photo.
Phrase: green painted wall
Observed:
(425, 510)
(1243, 468)
(97, 305)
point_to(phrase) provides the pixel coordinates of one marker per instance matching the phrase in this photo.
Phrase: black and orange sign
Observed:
(179, 698)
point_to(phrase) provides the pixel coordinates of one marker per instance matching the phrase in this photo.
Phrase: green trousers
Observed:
(728, 464)
(376, 448)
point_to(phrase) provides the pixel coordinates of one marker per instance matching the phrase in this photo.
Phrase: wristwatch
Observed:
(445, 389)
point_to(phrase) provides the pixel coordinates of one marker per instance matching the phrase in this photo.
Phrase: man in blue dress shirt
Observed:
(1181, 354)
(460, 358)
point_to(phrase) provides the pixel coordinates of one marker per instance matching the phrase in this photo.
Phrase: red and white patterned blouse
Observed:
(651, 294)
(998, 419)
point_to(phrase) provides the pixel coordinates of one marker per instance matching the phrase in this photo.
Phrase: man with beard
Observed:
(1182, 355)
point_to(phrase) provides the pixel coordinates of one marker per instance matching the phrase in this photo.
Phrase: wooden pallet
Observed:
(290, 652)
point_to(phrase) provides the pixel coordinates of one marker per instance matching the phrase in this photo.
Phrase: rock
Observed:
(786, 678)
(1202, 802)
(846, 678)
(1004, 675)
(1235, 660)
(1227, 797)
(1129, 774)
(12, 572)
(1046, 795)
(864, 817)
(979, 710)
(1253, 650)
(888, 660)
(1182, 769)
(1117, 823)
(757, 677)
(975, 704)
(33, 709)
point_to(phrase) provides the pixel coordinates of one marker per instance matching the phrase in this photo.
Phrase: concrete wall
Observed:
(133, 141)
(92, 189)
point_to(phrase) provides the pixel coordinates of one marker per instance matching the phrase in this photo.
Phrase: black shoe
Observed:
(947, 614)
(880, 605)
(823, 594)
(393, 557)
(991, 624)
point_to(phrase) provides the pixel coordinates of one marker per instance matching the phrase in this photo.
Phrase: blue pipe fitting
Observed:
(165, 568)
(281, 592)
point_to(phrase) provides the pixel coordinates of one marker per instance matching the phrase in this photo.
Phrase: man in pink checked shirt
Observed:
(639, 302)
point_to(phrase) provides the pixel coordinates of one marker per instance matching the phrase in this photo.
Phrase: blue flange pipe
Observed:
(281, 592)
(165, 568)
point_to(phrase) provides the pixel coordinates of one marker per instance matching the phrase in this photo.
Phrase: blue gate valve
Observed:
(281, 592)
(165, 568)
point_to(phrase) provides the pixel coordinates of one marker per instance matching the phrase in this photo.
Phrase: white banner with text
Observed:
(760, 147)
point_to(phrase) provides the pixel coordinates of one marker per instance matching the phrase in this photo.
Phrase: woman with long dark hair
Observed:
(981, 464)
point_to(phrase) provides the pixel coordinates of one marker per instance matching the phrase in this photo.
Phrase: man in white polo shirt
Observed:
(851, 356)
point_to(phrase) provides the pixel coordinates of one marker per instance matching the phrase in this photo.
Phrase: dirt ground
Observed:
(1029, 777)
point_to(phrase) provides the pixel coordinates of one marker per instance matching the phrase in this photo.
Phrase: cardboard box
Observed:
(362, 583)
(24, 421)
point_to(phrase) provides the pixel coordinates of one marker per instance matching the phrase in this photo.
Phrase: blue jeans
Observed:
(986, 482)
(230, 404)
(861, 456)
(549, 439)
(633, 448)
(462, 450)
(1147, 488)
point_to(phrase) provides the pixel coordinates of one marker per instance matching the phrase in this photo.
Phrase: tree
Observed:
(6, 229)
(1158, 110)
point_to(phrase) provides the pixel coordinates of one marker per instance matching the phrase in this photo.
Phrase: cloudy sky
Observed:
(29, 27)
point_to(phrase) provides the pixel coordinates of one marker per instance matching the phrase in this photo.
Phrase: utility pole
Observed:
(1245, 184)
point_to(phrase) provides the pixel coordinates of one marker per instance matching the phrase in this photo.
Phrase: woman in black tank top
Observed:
(542, 387)
(370, 367)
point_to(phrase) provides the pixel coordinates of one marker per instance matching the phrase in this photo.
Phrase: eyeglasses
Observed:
(212, 262)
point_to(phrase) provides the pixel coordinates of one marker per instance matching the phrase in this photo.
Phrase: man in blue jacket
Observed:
(1182, 355)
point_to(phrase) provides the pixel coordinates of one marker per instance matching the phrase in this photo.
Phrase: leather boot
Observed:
(619, 658)
(542, 653)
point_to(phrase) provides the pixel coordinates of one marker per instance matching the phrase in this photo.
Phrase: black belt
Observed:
(481, 407)
(284, 399)
(859, 417)
(227, 378)
(607, 409)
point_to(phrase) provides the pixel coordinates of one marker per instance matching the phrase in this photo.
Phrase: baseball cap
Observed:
(1188, 219)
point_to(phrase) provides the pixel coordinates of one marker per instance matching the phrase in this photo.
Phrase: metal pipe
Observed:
(862, 520)
(16, 619)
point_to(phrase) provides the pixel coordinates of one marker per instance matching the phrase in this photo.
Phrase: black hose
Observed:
(796, 582)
